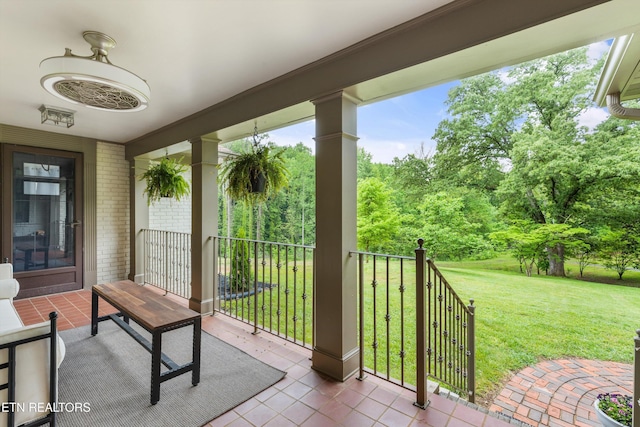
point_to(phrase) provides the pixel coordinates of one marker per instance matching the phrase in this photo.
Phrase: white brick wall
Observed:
(170, 214)
(112, 182)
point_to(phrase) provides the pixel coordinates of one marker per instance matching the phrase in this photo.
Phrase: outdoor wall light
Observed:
(93, 80)
(56, 116)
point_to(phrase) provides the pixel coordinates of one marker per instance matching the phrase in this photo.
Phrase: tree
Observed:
(412, 174)
(526, 246)
(241, 274)
(530, 242)
(290, 215)
(619, 249)
(586, 254)
(456, 224)
(364, 164)
(378, 218)
(477, 137)
(526, 127)
(553, 180)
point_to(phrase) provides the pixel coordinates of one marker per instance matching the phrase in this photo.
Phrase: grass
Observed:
(286, 309)
(592, 273)
(519, 320)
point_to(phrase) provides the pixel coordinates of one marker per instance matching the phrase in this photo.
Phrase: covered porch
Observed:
(462, 38)
(305, 396)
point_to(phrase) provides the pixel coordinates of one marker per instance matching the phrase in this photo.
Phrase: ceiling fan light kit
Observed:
(93, 80)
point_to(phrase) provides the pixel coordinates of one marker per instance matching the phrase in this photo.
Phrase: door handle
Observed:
(75, 223)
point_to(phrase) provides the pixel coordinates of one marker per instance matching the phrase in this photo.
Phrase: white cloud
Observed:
(383, 151)
(596, 50)
(592, 117)
(292, 135)
(503, 74)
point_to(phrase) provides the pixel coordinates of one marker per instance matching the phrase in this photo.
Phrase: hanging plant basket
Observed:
(258, 182)
(255, 174)
(164, 179)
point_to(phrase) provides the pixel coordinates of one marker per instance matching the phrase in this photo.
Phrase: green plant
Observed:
(239, 172)
(164, 179)
(241, 274)
(618, 407)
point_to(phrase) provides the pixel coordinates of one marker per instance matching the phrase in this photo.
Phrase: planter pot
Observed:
(258, 184)
(604, 418)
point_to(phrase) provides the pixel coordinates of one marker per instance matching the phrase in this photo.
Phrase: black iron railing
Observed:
(386, 313)
(268, 285)
(167, 261)
(413, 325)
(448, 329)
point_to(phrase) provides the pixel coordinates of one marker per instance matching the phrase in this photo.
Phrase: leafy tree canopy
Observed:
(519, 133)
(456, 224)
(378, 219)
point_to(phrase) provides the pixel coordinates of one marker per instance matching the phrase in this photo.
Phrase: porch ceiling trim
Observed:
(621, 72)
(451, 28)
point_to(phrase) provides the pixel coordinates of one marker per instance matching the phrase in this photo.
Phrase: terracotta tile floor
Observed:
(304, 397)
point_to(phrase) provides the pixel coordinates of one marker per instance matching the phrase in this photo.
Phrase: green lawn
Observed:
(592, 273)
(521, 320)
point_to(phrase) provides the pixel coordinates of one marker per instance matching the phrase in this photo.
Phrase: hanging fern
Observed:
(165, 179)
(240, 171)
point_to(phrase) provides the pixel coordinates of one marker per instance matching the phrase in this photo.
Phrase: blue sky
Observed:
(398, 126)
(387, 129)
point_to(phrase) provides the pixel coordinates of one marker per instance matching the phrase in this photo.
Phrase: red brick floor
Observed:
(308, 398)
(560, 393)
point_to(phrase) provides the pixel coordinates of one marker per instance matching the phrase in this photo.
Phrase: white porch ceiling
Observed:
(196, 54)
(192, 53)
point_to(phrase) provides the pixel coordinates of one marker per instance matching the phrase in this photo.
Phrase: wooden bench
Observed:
(156, 314)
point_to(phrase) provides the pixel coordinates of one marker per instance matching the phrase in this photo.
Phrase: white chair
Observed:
(28, 387)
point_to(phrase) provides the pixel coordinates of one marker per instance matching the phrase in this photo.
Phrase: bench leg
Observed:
(94, 313)
(197, 332)
(156, 356)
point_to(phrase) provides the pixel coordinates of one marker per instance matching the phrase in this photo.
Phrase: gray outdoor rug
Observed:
(110, 374)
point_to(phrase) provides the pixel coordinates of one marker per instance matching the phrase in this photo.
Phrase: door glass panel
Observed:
(43, 212)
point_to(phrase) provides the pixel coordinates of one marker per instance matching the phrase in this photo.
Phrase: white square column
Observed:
(139, 214)
(335, 351)
(204, 223)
